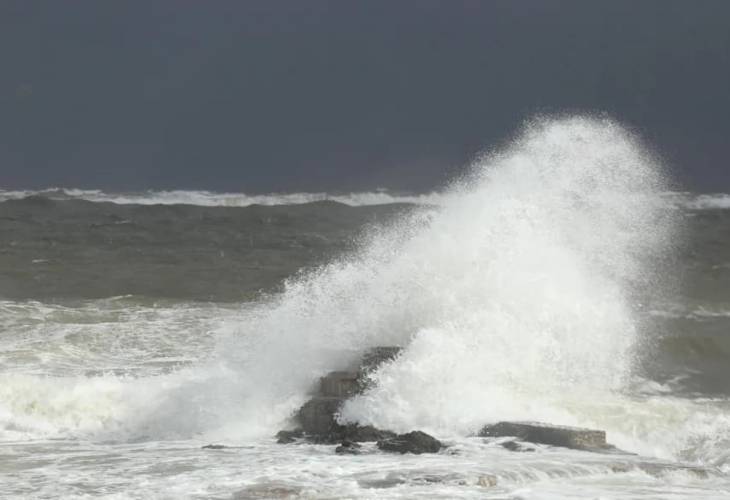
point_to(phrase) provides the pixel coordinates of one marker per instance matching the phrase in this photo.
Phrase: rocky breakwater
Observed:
(576, 438)
(316, 420)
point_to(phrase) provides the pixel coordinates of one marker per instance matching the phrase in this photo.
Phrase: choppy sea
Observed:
(564, 280)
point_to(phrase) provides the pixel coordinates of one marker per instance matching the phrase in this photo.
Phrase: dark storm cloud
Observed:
(280, 95)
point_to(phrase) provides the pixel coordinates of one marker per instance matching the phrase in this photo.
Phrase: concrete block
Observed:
(556, 435)
(338, 384)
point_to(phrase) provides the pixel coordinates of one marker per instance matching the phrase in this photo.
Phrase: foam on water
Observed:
(214, 199)
(520, 295)
(517, 297)
(687, 200)
(114, 368)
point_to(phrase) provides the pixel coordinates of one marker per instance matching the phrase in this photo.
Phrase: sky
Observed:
(275, 95)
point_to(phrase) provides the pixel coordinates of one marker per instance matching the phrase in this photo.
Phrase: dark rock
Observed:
(376, 356)
(317, 418)
(412, 442)
(515, 446)
(360, 434)
(556, 435)
(285, 437)
(318, 415)
(348, 448)
(214, 447)
(349, 432)
(371, 361)
(338, 384)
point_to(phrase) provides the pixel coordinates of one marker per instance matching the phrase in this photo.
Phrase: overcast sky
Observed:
(341, 95)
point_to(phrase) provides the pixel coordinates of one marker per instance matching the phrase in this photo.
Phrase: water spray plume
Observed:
(514, 295)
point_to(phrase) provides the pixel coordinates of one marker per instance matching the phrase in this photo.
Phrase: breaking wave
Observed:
(686, 200)
(213, 199)
(519, 295)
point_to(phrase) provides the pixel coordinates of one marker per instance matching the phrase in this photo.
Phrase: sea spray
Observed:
(515, 297)
(520, 294)
(550, 242)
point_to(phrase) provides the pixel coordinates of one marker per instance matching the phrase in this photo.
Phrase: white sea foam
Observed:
(686, 200)
(716, 201)
(213, 199)
(517, 296)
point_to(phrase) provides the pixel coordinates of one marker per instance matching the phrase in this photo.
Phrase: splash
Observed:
(518, 295)
(515, 297)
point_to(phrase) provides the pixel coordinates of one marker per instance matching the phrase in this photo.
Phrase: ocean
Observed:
(564, 279)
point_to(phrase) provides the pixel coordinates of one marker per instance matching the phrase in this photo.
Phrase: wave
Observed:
(115, 368)
(213, 199)
(677, 199)
(517, 297)
(716, 201)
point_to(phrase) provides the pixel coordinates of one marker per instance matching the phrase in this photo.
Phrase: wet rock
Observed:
(373, 358)
(376, 356)
(318, 415)
(366, 433)
(338, 384)
(556, 435)
(285, 437)
(214, 447)
(412, 442)
(348, 448)
(317, 418)
(515, 446)
(350, 432)
(371, 361)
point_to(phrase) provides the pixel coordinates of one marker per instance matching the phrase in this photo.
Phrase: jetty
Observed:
(316, 421)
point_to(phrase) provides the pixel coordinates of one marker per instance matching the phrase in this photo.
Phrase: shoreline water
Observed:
(133, 335)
